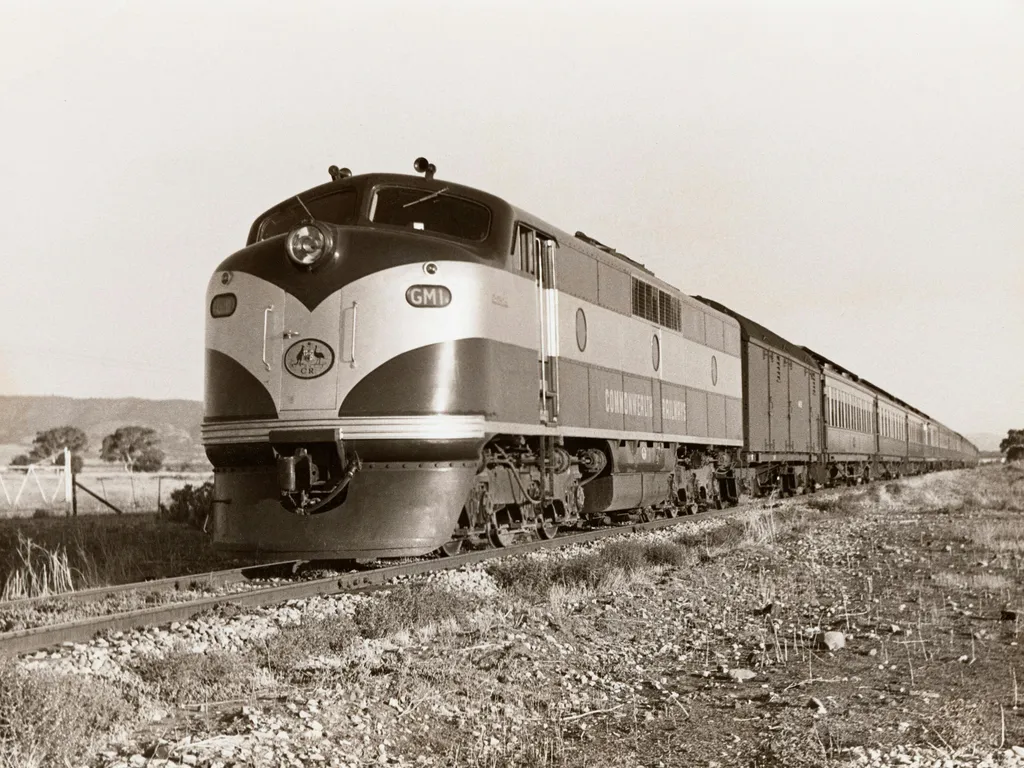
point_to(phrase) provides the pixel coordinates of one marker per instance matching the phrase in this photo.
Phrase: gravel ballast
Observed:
(856, 629)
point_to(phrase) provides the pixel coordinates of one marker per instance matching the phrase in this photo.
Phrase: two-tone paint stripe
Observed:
(436, 427)
(361, 319)
(624, 344)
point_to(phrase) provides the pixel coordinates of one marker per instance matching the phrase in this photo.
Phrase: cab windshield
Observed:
(427, 211)
(338, 207)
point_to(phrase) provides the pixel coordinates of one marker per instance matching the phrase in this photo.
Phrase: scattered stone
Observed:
(831, 641)
(741, 675)
(817, 705)
(159, 751)
(1010, 614)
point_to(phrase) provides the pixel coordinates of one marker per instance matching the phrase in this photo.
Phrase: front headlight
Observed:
(307, 244)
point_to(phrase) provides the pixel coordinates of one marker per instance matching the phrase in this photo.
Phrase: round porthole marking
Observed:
(308, 358)
(714, 371)
(581, 329)
(656, 351)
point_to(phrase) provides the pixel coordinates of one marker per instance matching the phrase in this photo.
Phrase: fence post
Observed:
(68, 484)
(159, 481)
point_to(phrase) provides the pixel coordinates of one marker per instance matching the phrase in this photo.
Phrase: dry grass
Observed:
(101, 550)
(38, 571)
(532, 577)
(410, 607)
(989, 583)
(999, 535)
(49, 719)
(615, 658)
(194, 679)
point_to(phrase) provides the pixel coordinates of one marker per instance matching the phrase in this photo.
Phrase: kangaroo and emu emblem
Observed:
(308, 358)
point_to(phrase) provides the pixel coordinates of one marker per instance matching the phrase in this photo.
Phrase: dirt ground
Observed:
(724, 661)
(877, 626)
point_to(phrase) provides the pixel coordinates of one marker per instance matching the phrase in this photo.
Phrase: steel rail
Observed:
(207, 578)
(36, 638)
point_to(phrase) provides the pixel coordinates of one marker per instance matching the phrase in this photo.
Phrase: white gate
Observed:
(41, 485)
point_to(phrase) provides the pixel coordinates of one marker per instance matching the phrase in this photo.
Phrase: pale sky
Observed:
(849, 174)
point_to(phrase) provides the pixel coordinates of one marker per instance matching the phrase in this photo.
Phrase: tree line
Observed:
(136, 448)
(1013, 444)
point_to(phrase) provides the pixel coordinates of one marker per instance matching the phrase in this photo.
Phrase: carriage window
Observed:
(339, 207)
(436, 211)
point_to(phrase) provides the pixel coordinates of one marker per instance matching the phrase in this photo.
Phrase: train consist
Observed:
(397, 364)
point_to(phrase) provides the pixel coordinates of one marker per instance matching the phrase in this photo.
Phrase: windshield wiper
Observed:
(424, 199)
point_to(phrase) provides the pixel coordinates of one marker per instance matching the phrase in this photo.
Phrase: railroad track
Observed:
(209, 579)
(37, 638)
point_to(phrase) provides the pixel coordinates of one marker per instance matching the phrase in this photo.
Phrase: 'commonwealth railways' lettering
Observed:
(641, 405)
(628, 403)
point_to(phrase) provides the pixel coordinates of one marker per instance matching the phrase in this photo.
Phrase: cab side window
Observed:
(526, 247)
(533, 252)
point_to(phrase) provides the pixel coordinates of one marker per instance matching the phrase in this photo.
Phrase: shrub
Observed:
(729, 532)
(183, 677)
(190, 505)
(48, 718)
(532, 578)
(286, 653)
(411, 607)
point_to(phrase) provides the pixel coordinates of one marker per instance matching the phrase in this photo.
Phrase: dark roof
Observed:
(869, 385)
(831, 364)
(888, 395)
(611, 251)
(751, 330)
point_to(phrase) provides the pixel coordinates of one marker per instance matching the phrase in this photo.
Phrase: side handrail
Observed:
(266, 324)
(355, 310)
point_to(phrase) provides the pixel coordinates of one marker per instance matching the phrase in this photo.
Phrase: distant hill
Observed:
(176, 421)
(986, 441)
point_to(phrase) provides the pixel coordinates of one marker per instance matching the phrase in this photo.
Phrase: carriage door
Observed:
(537, 256)
(778, 388)
(799, 408)
(814, 410)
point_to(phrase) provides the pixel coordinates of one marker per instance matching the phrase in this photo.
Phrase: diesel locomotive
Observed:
(397, 364)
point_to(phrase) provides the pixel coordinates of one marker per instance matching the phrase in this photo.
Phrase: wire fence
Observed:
(44, 489)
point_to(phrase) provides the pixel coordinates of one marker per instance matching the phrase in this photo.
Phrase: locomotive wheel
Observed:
(500, 538)
(450, 549)
(547, 530)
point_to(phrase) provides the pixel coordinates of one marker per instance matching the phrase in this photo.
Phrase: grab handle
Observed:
(355, 310)
(266, 324)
